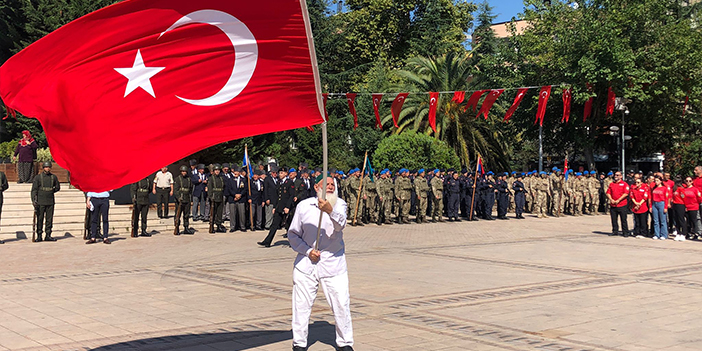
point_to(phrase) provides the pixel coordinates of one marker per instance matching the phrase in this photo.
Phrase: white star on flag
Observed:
(139, 75)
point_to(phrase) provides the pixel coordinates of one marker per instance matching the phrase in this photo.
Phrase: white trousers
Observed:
(336, 291)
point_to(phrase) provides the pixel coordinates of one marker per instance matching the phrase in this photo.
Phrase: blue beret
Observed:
(437, 170)
(571, 170)
(586, 172)
(542, 172)
(554, 169)
(521, 174)
(386, 170)
(534, 171)
(514, 172)
(340, 172)
(292, 170)
(421, 170)
(505, 173)
(490, 173)
(610, 173)
(578, 174)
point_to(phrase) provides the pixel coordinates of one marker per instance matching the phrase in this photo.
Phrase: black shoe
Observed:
(190, 231)
(145, 234)
(231, 230)
(285, 235)
(48, 238)
(243, 230)
(299, 348)
(263, 244)
(38, 240)
(221, 229)
(344, 348)
(1, 242)
(91, 241)
(457, 219)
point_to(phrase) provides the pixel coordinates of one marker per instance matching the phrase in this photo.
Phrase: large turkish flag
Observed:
(140, 84)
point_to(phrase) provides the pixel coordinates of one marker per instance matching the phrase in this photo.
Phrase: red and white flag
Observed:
(474, 98)
(433, 103)
(611, 100)
(488, 102)
(567, 97)
(458, 96)
(543, 101)
(144, 83)
(517, 100)
(377, 98)
(396, 107)
(351, 98)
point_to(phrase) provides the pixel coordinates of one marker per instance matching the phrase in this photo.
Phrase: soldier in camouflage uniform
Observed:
(556, 182)
(541, 187)
(371, 191)
(44, 186)
(528, 192)
(587, 197)
(594, 187)
(355, 197)
(421, 188)
(140, 200)
(578, 192)
(385, 190)
(437, 195)
(510, 181)
(605, 185)
(403, 193)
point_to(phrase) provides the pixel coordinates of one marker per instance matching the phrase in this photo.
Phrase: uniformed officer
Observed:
(489, 193)
(528, 194)
(3, 186)
(541, 187)
(385, 192)
(421, 188)
(510, 181)
(403, 193)
(182, 192)
(605, 185)
(437, 195)
(236, 195)
(199, 181)
(594, 187)
(578, 193)
(556, 183)
(519, 196)
(355, 194)
(454, 197)
(371, 192)
(256, 199)
(502, 196)
(44, 187)
(215, 191)
(587, 197)
(140, 200)
(282, 208)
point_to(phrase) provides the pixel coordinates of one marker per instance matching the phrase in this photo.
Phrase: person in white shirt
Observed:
(325, 266)
(163, 189)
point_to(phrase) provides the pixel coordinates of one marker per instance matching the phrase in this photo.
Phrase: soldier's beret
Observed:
(490, 173)
(200, 166)
(542, 172)
(340, 172)
(420, 171)
(554, 168)
(193, 162)
(520, 175)
(578, 174)
(292, 170)
(437, 170)
(506, 173)
(610, 173)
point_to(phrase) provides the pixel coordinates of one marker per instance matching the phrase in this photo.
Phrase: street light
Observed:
(620, 105)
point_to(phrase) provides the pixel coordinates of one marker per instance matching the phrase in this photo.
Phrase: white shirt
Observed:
(303, 234)
(163, 180)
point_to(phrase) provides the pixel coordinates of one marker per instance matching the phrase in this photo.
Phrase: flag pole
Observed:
(475, 181)
(249, 170)
(324, 180)
(360, 185)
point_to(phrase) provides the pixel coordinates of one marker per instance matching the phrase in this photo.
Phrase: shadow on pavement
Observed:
(322, 332)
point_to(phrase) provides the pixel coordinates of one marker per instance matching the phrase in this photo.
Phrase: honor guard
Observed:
(140, 200)
(437, 195)
(215, 191)
(182, 192)
(385, 195)
(421, 188)
(403, 194)
(502, 196)
(454, 197)
(44, 187)
(519, 198)
(541, 187)
(372, 202)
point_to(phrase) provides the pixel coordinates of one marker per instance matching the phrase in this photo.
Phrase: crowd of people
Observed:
(268, 198)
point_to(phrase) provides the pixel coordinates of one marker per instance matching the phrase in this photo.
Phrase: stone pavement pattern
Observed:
(551, 284)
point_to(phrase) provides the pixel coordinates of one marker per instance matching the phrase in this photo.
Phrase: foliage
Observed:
(7, 149)
(413, 151)
(44, 154)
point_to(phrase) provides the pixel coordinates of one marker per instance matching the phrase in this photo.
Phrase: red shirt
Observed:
(678, 196)
(616, 190)
(661, 193)
(697, 182)
(692, 197)
(638, 194)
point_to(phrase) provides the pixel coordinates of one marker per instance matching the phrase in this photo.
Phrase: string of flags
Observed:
(489, 97)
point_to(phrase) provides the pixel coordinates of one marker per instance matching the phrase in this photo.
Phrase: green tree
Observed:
(414, 151)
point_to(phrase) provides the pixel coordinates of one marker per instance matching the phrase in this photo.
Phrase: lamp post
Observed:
(614, 132)
(624, 139)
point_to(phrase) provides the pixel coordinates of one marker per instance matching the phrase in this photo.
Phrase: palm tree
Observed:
(460, 129)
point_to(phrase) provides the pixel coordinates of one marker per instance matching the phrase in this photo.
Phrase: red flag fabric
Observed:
(350, 98)
(517, 100)
(377, 98)
(458, 96)
(489, 101)
(611, 98)
(433, 103)
(588, 104)
(10, 112)
(474, 98)
(567, 97)
(169, 76)
(310, 128)
(397, 107)
(543, 101)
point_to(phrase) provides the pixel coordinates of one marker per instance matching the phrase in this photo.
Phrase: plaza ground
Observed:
(533, 284)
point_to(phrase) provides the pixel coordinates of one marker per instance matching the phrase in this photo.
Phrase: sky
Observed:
(506, 9)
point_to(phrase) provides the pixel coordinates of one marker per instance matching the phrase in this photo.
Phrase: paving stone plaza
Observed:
(549, 284)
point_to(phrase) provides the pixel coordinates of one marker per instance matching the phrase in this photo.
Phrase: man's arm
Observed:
(338, 216)
(295, 236)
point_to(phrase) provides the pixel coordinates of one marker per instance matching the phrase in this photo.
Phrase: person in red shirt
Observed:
(671, 219)
(660, 198)
(697, 182)
(692, 198)
(678, 209)
(640, 198)
(617, 194)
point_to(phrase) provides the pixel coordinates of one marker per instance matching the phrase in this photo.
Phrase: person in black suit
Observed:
(270, 195)
(256, 199)
(236, 192)
(199, 195)
(285, 193)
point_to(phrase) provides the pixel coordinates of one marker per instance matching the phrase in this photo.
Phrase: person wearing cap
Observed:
(437, 194)
(384, 187)
(587, 196)
(370, 185)
(44, 186)
(556, 182)
(163, 189)
(577, 192)
(140, 200)
(510, 181)
(594, 186)
(354, 190)
(502, 196)
(227, 175)
(284, 200)
(256, 199)
(270, 195)
(403, 195)
(199, 181)
(236, 194)
(182, 191)
(528, 198)
(292, 177)
(519, 196)
(542, 187)
(421, 189)
(193, 167)
(216, 187)
(323, 264)
(454, 197)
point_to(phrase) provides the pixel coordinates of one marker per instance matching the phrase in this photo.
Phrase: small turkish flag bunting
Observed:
(567, 96)
(543, 100)
(350, 98)
(588, 104)
(376, 104)
(397, 107)
(458, 96)
(473, 100)
(611, 99)
(517, 100)
(488, 102)
(433, 103)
